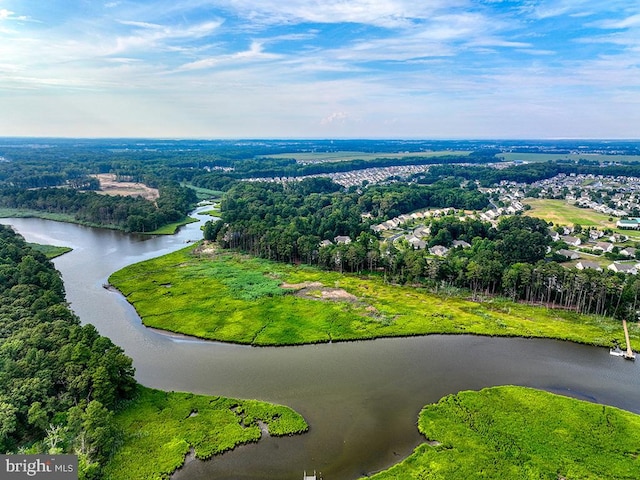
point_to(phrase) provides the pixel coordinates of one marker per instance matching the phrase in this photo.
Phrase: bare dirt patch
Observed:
(317, 291)
(109, 186)
(206, 248)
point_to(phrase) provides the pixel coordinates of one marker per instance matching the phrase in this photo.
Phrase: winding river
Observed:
(361, 399)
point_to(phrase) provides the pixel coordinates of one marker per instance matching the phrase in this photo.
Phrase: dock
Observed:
(628, 355)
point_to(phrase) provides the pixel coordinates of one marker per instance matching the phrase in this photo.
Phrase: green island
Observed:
(521, 433)
(220, 295)
(164, 427)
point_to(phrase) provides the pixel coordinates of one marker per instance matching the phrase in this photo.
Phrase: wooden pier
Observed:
(629, 355)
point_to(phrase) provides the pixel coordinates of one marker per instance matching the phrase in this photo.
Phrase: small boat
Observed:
(617, 352)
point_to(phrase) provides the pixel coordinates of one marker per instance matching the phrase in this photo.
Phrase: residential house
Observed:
(438, 250)
(584, 264)
(629, 252)
(595, 234)
(623, 268)
(616, 237)
(343, 239)
(461, 243)
(571, 241)
(416, 242)
(568, 254)
(604, 247)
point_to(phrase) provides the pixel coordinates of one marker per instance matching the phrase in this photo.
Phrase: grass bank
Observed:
(224, 296)
(521, 433)
(161, 428)
(172, 228)
(25, 213)
(50, 251)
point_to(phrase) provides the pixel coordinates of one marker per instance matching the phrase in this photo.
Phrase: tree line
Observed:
(59, 381)
(131, 214)
(527, 173)
(288, 222)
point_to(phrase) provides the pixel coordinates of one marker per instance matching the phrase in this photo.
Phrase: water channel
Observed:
(361, 399)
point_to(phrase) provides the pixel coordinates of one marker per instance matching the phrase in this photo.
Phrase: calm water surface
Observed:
(361, 399)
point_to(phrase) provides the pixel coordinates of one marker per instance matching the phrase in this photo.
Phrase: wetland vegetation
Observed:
(521, 433)
(159, 429)
(220, 295)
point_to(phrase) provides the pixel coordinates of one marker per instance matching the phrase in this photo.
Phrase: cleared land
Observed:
(162, 428)
(109, 186)
(521, 433)
(224, 296)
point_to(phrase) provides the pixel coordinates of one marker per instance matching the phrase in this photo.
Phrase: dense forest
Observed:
(288, 222)
(59, 381)
(132, 214)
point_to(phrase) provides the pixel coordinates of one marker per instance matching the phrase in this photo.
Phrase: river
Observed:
(361, 399)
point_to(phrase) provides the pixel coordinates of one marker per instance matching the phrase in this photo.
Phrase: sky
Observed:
(429, 69)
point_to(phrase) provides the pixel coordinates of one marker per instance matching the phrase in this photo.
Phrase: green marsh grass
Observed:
(522, 433)
(235, 298)
(161, 428)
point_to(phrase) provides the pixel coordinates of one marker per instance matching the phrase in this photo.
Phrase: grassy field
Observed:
(321, 157)
(562, 213)
(161, 428)
(521, 433)
(224, 296)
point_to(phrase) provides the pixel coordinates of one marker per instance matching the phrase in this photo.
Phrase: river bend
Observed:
(361, 399)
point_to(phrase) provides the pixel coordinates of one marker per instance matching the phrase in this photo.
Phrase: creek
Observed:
(361, 399)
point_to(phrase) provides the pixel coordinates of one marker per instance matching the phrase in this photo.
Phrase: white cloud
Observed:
(335, 118)
(628, 22)
(386, 13)
(254, 53)
(152, 36)
(9, 15)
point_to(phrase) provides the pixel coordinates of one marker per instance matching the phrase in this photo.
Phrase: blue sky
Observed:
(320, 68)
